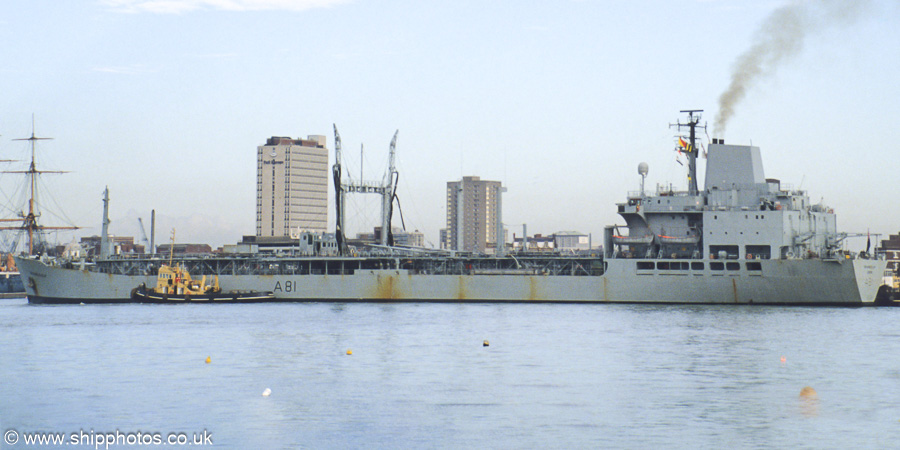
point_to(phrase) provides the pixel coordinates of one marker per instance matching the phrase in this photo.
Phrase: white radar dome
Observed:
(643, 168)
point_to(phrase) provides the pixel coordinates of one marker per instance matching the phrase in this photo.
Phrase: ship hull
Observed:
(779, 282)
(11, 285)
(143, 295)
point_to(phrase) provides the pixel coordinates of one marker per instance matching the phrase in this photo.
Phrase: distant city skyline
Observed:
(558, 101)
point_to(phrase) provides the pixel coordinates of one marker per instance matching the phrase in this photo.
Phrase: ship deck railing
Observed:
(257, 264)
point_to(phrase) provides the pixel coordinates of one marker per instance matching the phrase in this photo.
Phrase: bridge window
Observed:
(696, 266)
(733, 266)
(717, 266)
(753, 265)
(644, 265)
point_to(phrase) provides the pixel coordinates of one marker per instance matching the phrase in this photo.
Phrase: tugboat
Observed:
(175, 285)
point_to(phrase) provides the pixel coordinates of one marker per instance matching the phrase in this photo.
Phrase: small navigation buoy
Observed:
(783, 359)
(267, 392)
(349, 352)
(82, 303)
(486, 343)
(208, 360)
(809, 402)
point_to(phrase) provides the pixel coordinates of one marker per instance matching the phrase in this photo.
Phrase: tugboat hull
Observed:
(140, 295)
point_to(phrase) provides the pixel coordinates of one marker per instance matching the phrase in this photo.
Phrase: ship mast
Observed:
(29, 220)
(693, 123)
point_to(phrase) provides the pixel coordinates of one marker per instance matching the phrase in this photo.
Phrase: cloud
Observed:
(182, 6)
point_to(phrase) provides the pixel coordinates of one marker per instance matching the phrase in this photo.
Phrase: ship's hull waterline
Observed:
(852, 282)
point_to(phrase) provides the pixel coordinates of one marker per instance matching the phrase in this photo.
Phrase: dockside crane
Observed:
(144, 237)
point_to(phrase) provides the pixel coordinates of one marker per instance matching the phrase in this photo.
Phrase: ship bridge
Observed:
(739, 214)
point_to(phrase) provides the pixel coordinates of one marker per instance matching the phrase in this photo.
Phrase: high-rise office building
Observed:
(474, 219)
(291, 185)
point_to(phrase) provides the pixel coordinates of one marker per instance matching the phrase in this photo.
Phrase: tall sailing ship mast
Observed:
(29, 220)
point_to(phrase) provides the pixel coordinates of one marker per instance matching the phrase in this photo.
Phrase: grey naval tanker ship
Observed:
(742, 239)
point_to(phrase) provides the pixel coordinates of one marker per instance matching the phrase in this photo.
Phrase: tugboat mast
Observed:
(29, 219)
(692, 151)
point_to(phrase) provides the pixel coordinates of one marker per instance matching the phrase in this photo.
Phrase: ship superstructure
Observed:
(739, 214)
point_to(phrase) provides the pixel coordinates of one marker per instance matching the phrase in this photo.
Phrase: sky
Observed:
(166, 101)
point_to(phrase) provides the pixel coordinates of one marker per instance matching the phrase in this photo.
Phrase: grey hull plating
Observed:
(784, 282)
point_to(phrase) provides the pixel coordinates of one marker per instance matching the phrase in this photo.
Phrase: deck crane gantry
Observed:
(387, 189)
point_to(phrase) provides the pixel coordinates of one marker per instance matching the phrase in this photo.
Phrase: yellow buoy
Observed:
(486, 343)
(808, 392)
(208, 360)
(349, 352)
(783, 359)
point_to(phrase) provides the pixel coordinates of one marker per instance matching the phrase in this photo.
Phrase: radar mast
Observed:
(692, 124)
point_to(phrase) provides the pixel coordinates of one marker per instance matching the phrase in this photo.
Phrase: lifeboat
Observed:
(679, 239)
(632, 240)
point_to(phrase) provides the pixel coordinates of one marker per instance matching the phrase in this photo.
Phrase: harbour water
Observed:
(553, 375)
